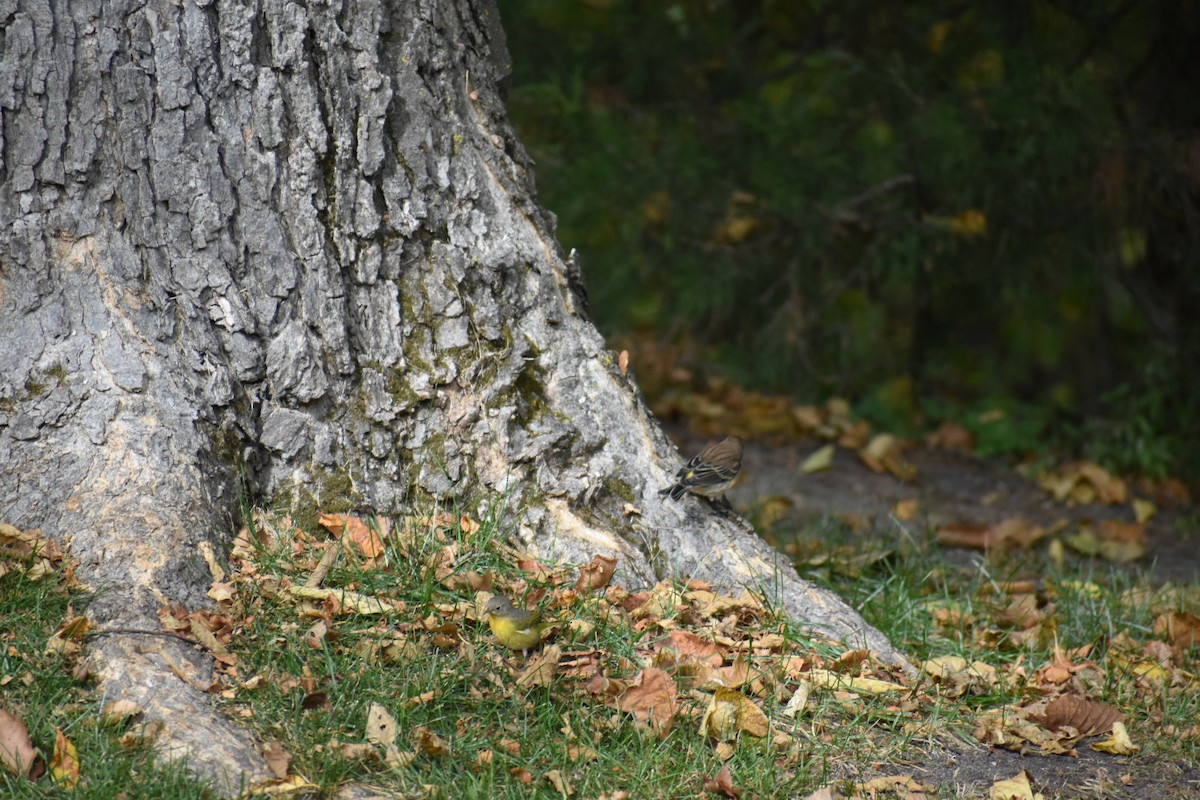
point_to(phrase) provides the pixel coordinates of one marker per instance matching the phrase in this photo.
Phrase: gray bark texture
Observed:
(294, 249)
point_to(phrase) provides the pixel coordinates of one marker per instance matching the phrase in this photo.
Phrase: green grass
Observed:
(41, 688)
(434, 668)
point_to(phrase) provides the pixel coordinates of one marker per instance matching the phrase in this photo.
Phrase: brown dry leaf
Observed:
(430, 743)
(1115, 541)
(1012, 533)
(1021, 612)
(584, 753)
(278, 760)
(850, 660)
(1084, 482)
(208, 640)
(958, 677)
(355, 532)
(906, 510)
(1015, 788)
(769, 511)
(64, 764)
(652, 698)
(963, 534)
(1086, 716)
(691, 647)
(722, 784)
(1119, 744)
(68, 639)
(905, 787)
(541, 668)
(20, 546)
(596, 574)
(521, 774)
(560, 783)
(381, 726)
(1007, 728)
(1181, 629)
(116, 712)
(952, 436)
(824, 793)
(421, 699)
(17, 752)
(885, 453)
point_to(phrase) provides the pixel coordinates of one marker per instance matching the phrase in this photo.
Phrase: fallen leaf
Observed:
(722, 784)
(906, 510)
(1012, 533)
(952, 436)
(1088, 717)
(819, 461)
(905, 787)
(64, 764)
(1144, 510)
(1119, 744)
(1181, 629)
(560, 783)
(381, 726)
(542, 668)
(652, 698)
(1015, 788)
(16, 748)
(885, 453)
(116, 712)
(832, 680)
(348, 602)
(824, 793)
(430, 743)
(354, 531)
(596, 574)
(278, 760)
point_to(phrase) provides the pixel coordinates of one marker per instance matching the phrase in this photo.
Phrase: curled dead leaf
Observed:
(1088, 717)
(596, 574)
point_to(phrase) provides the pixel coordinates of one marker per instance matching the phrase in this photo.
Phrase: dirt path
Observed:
(949, 488)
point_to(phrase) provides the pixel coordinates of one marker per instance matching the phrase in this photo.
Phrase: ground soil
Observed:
(953, 487)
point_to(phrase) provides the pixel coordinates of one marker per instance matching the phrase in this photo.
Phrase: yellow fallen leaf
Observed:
(906, 510)
(832, 680)
(349, 601)
(1015, 788)
(64, 764)
(820, 460)
(1119, 744)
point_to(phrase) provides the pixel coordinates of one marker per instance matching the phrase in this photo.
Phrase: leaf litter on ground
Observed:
(655, 657)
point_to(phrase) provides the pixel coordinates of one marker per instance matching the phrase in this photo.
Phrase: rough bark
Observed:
(293, 249)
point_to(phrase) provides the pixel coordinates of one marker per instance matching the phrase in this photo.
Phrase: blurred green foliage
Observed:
(920, 206)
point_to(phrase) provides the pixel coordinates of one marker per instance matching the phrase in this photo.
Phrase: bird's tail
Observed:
(677, 491)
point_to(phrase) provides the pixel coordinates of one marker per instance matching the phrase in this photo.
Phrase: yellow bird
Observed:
(516, 628)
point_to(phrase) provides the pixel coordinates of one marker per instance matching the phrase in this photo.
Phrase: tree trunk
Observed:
(294, 250)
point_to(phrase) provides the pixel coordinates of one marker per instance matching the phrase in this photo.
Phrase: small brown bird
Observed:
(516, 628)
(711, 472)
